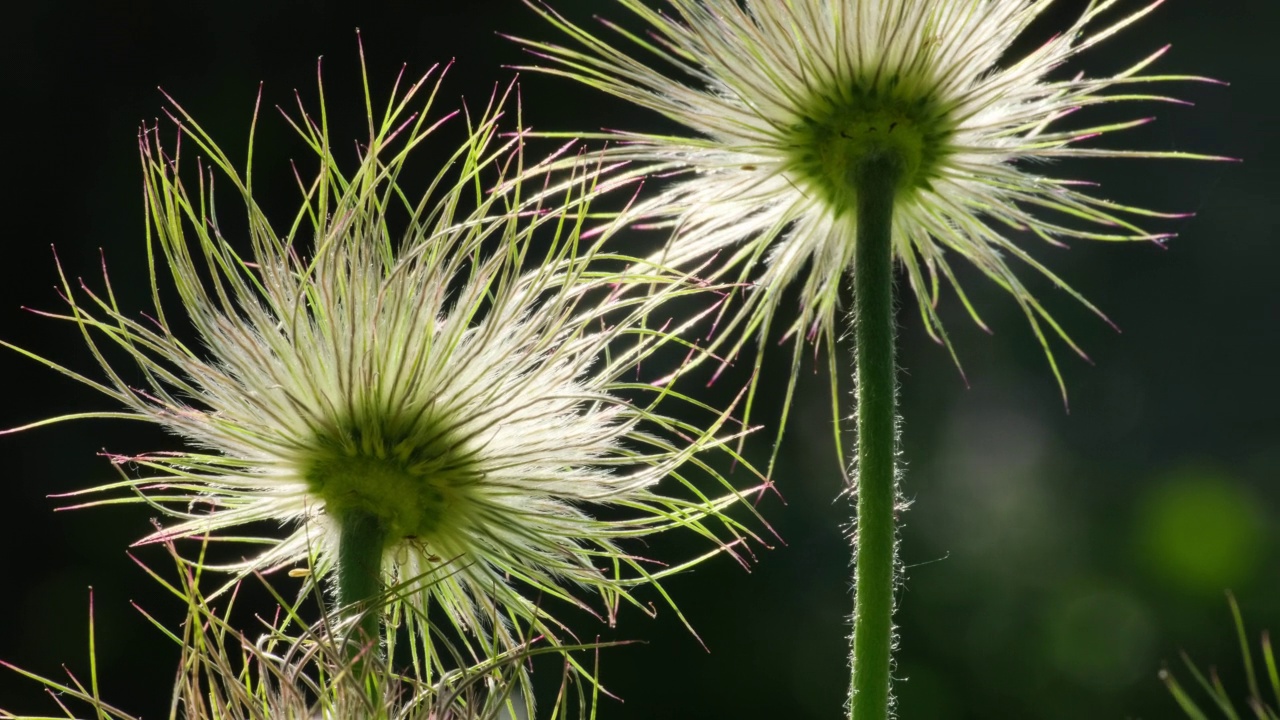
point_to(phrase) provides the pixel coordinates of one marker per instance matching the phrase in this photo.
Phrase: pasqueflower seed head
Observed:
(464, 378)
(783, 99)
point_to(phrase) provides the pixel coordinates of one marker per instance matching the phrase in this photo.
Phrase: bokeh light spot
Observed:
(1199, 531)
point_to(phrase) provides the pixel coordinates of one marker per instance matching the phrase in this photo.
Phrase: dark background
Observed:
(1055, 560)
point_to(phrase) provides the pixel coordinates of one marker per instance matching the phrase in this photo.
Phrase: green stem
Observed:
(362, 537)
(875, 542)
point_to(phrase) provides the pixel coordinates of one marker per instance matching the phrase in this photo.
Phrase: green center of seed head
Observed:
(414, 486)
(839, 138)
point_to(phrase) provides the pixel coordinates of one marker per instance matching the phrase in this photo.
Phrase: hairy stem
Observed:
(875, 541)
(362, 537)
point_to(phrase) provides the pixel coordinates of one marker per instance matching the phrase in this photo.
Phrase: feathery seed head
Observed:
(468, 389)
(785, 102)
